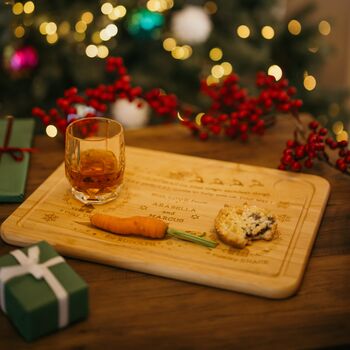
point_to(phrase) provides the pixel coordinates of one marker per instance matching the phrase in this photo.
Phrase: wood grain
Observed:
(133, 310)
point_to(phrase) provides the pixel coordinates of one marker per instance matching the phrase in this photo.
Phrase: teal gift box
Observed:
(40, 292)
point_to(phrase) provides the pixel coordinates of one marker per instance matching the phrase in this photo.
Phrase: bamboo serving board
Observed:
(187, 192)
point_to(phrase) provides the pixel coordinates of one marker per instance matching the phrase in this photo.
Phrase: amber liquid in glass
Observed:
(97, 173)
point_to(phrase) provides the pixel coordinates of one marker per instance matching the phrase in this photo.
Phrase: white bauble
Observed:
(191, 25)
(82, 111)
(130, 114)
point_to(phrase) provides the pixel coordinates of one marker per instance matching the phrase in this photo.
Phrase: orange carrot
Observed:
(134, 225)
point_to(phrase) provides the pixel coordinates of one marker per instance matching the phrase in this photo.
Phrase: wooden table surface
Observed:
(131, 310)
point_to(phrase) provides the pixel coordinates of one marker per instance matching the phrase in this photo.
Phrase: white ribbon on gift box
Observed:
(30, 265)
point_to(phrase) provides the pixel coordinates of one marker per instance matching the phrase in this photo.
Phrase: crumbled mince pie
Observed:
(239, 226)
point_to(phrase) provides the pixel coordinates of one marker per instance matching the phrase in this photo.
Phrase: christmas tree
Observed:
(50, 46)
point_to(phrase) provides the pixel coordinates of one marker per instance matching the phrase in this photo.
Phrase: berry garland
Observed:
(232, 113)
(164, 105)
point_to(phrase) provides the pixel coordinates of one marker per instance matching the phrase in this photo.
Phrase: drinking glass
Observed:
(95, 159)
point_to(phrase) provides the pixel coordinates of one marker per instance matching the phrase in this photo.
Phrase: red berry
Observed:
(292, 91)
(319, 146)
(291, 143)
(308, 163)
(243, 128)
(333, 145)
(287, 159)
(300, 152)
(341, 165)
(203, 136)
(215, 129)
(342, 152)
(296, 166)
(323, 131)
(313, 125)
(343, 143)
(282, 167)
(244, 137)
(297, 103)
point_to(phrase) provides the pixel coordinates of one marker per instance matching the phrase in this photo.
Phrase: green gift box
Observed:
(13, 174)
(40, 292)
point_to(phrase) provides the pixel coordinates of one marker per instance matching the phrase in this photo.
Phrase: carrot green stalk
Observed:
(191, 238)
(144, 226)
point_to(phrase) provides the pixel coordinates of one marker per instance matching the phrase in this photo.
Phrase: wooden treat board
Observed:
(187, 192)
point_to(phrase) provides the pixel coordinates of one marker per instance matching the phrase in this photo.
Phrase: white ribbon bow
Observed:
(30, 265)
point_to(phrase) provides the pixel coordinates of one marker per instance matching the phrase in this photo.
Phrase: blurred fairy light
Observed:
(106, 8)
(17, 8)
(102, 51)
(91, 51)
(217, 71)
(212, 80)
(51, 131)
(64, 28)
(210, 7)
(87, 17)
(294, 27)
(169, 44)
(80, 27)
(118, 12)
(42, 28)
(178, 52)
(243, 31)
(29, 7)
(215, 54)
(96, 38)
(51, 28)
(343, 136)
(227, 66)
(79, 36)
(180, 117)
(309, 82)
(313, 49)
(324, 28)
(52, 38)
(267, 32)
(104, 35)
(198, 118)
(275, 71)
(159, 5)
(181, 52)
(112, 30)
(338, 127)
(19, 32)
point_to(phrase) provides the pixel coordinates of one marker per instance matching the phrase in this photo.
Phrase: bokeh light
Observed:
(275, 71)
(227, 66)
(91, 51)
(324, 28)
(28, 7)
(217, 71)
(267, 32)
(243, 31)
(215, 54)
(310, 82)
(19, 32)
(169, 44)
(294, 27)
(51, 131)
